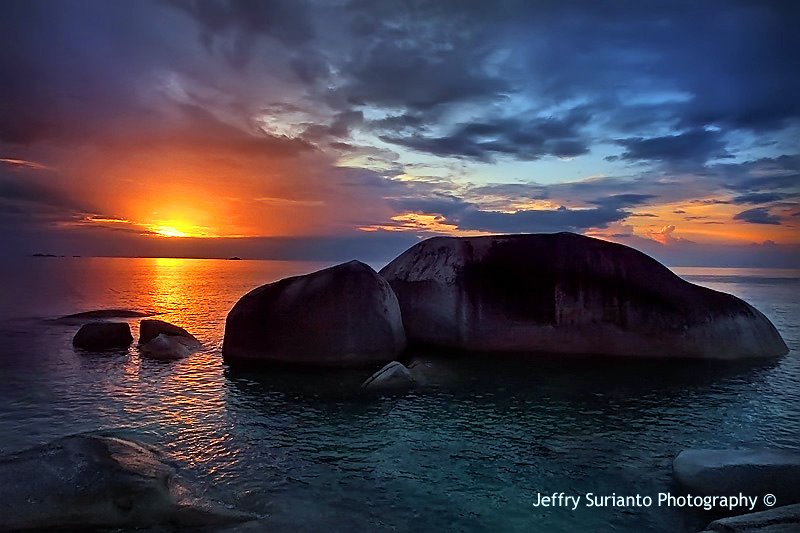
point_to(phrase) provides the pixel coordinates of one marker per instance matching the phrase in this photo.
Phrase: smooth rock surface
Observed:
(103, 336)
(150, 329)
(345, 315)
(567, 293)
(393, 376)
(752, 472)
(169, 347)
(784, 519)
(92, 481)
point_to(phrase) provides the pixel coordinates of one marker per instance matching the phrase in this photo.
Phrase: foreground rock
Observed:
(345, 315)
(150, 329)
(778, 520)
(103, 336)
(89, 481)
(751, 472)
(566, 293)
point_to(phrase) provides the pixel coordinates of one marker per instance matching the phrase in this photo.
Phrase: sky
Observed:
(335, 129)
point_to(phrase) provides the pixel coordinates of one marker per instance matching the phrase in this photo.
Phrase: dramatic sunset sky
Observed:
(334, 129)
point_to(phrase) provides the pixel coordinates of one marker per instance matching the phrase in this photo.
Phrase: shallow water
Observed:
(307, 453)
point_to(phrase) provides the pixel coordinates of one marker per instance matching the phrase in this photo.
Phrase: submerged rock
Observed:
(107, 313)
(567, 293)
(92, 481)
(752, 472)
(394, 376)
(150, 329)
(345, 315)
(103, 336)
(169, 347)
(784, 519)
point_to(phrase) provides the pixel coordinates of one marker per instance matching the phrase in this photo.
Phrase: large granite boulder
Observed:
(752, 472)
(90, 481)
(103, 336)
(345, 315)
(784, 519)
(567, 293)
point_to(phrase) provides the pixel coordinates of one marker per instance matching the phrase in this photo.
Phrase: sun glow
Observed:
(168, 231)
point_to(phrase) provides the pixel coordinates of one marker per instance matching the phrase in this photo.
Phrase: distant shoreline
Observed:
(789, 271)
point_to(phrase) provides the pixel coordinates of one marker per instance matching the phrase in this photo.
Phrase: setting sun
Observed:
(169, 231)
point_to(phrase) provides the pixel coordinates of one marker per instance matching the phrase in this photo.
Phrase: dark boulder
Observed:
(103, 336)
(567, 293)
(345, 315)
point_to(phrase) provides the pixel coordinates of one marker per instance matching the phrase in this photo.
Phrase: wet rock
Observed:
(567, 293)
(169, 347)
(393, 376)
(751, 472)
(92, 481)
(150, 329)
(103, 336)
(345, 315)
(784, 519)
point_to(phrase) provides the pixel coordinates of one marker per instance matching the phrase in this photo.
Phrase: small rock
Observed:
(784, 519)
(169, 347)
(103, 336)
(107, 313)
(751, 472)
(393, 376)
(150, 329)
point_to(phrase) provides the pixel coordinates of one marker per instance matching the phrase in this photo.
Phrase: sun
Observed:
(169, 231)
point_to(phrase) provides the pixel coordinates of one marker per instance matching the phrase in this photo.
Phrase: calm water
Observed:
(309, 454)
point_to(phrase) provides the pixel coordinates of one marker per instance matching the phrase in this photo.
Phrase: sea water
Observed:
(307, 453)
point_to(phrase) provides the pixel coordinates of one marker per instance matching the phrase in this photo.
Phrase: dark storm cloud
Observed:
(524, 139)
(623, 200)
(758, 215)
(693, 147)
(19, 193)
(447, 206)
(759, 198)
(540, 220)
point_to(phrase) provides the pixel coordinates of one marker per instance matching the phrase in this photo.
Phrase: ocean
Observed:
(308, 453)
